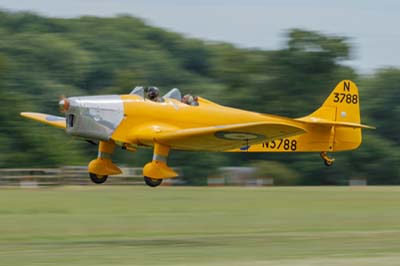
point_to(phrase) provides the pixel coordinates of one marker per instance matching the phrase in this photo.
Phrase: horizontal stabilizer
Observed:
(333, 123)
(52, 120)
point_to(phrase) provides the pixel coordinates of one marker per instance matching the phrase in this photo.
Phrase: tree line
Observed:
(43, 58)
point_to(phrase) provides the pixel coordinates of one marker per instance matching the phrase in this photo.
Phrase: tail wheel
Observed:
(152, 182)
(328, 162)
(98, 179)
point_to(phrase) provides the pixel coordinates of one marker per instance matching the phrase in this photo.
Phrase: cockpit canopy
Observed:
(139, 90)
(172, 94)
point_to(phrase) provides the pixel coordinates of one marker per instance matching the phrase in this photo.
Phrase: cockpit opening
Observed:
(152, 93)
(189, 99)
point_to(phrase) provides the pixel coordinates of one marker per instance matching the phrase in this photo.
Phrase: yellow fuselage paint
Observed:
(144, 119)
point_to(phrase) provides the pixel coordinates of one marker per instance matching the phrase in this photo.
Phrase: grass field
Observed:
(100, 225)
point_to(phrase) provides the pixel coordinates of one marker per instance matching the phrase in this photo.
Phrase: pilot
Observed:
(152, 94)
(190, 100)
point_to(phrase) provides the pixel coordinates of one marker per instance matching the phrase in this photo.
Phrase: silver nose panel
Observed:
(95, 117)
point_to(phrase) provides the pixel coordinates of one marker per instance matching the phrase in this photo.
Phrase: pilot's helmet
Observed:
(152, 92)
(188, 98)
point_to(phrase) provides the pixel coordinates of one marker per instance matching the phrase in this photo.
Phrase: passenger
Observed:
(190, 100)
(152, 94)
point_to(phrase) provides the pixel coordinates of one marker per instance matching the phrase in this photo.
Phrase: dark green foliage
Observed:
(44, 58)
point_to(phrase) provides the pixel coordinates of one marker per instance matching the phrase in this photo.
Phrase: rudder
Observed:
(341, 106)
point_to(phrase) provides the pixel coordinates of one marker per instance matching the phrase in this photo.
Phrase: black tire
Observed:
(152, 182)
(98, 179)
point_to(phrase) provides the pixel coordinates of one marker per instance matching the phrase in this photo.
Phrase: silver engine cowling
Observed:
(93, 117)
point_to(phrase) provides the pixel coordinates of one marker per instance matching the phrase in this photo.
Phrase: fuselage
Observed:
(131, 119)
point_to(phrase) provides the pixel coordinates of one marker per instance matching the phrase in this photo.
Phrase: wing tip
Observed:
(51, 120)
(24, 114)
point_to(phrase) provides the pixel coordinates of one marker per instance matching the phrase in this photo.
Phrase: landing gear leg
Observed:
(158, 169)
(327, 160)
(101, 167)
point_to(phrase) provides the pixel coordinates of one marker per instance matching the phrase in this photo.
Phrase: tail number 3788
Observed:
(285, 144)
(345, 97)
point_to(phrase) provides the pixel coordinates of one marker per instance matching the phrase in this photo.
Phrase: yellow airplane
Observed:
(133, 121)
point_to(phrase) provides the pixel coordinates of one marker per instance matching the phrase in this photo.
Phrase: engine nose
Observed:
(64, 105)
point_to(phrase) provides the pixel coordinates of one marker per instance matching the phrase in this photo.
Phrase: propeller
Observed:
(63, 104)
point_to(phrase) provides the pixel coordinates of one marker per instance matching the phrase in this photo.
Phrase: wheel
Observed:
(328, 162)
(152, 182)
(98, 179)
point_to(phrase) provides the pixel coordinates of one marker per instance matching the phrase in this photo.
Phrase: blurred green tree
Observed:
(44, 58)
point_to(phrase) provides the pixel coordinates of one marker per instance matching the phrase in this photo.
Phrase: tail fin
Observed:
(341, 111)
(342, 105)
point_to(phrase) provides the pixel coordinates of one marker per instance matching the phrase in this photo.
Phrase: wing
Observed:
(52, 120)
(221, 138)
